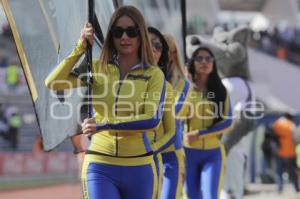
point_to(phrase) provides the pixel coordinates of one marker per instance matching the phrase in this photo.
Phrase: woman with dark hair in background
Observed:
(164, 136)
(173, 156)
(210, 116)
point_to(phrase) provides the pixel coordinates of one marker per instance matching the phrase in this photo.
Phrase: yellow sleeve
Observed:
(168, 122)
(153, 109)
(221, 127)
(182, 100)
(60, 78)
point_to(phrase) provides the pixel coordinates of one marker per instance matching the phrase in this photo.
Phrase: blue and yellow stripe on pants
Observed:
(118, 178)
(173, 167)
(159, 173)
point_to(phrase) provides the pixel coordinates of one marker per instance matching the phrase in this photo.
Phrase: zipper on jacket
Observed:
(202, 124)
(116, 114)
(116, 107)
(116, 111)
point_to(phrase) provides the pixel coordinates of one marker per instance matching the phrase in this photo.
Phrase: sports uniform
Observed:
(164, 135)
(173, 156)
(127, 112)
(205, 156)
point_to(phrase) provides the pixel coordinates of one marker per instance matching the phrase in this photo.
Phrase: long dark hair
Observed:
(214, 83)
(164, 58)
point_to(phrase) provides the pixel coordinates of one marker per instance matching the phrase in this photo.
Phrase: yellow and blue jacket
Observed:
(182, 92)
(164, 135)
(201, 119)
(127, 112)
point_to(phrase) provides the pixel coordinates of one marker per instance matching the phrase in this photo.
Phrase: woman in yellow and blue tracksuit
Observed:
(127, 96)
(165, 134)
(210, 116)
(173, 156)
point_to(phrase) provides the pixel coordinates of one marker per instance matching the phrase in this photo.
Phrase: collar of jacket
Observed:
(115, 62)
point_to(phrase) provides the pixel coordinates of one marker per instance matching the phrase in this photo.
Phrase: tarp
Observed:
(45, 32)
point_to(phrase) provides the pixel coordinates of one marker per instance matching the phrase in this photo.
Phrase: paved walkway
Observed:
(261, 191)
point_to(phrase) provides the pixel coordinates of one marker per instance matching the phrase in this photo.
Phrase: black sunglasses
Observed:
(157, 45)
(131, 31)
(207, 59)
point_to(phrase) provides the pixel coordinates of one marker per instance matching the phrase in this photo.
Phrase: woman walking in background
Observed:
(210, 116)
(165, 134)
(173, 156)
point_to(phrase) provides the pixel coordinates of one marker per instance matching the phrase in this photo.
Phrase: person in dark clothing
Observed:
(269, 147)
(3, 124)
